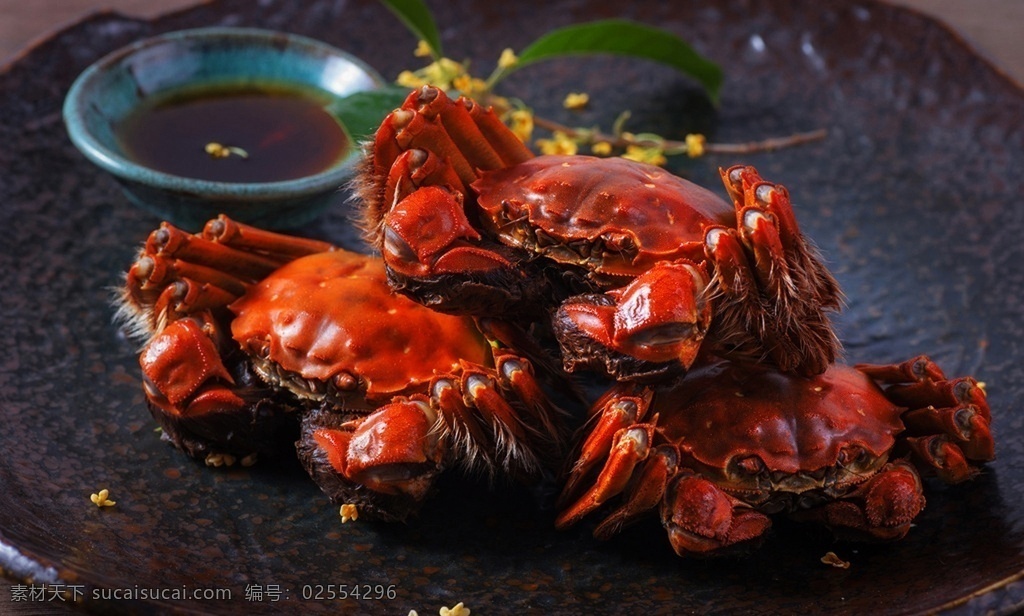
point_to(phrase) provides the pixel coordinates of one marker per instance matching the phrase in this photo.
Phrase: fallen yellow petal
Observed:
(457, 610)
(576, 100)
(348, 512)
(102, 499)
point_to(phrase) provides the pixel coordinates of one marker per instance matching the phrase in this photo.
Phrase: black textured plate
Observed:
(913, 196)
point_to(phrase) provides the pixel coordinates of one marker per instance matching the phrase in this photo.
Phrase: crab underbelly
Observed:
(775, 492)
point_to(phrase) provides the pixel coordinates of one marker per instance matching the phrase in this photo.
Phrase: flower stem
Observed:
(622, 141)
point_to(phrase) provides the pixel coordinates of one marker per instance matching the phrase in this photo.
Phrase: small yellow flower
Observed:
(521, 124)
(470, 86)
(102, 499)
(576, 100)
(695, 145)
(409, 79)
(601, 148)
(218, 150)
(423, 50)
(349, 512)
(560, 143)
(457, 610)
(645, 154)
(217, 460)
(508, 58)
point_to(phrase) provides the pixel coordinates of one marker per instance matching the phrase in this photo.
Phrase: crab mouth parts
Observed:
(314, 390)
(588, 253)
(778, 491)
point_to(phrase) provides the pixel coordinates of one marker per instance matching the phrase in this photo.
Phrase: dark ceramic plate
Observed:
(913, 196)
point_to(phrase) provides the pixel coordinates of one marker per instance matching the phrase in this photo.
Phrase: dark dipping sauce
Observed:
(278, 134)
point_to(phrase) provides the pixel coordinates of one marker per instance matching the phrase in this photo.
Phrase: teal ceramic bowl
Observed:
(112, 88)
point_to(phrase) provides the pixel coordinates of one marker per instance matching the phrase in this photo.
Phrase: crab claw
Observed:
(701, 518)
(193, 397)
(654, 325)
(883, 508)
(428, 233)
(179, 361)
(385, 462)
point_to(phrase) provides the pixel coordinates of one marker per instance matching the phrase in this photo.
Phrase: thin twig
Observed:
(621, 141)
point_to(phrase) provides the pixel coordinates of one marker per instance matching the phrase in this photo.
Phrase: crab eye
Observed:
(752, 465)
(344, 381)
(851, 454)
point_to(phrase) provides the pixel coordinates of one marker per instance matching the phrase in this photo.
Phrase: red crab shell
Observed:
(469, 221)
(331, 317)
(612, 215)
(753, 430)
(732, 444)
(252, 335)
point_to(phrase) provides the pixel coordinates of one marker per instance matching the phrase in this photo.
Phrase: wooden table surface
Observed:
(995, 27)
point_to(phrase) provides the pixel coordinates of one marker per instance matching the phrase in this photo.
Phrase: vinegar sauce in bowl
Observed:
(246, 133)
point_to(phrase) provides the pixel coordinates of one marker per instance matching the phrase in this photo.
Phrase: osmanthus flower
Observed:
(560, 143)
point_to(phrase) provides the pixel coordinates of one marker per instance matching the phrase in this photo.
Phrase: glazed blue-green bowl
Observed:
(108, 91)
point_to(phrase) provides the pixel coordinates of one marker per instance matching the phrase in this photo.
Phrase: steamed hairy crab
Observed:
(248, 331)
(720, 451)
(643, 269)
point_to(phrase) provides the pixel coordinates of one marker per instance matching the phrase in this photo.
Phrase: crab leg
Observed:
(171, 242)
(471, 442)
(460, 126)
(630, 447)
(523, 427)
(619, 413)
(948, 420)
(178, 273)
(770, 281)
(468, 136)
(646, 492)
(508, 146)
(920, 368)
(517, 373)
(277, 246)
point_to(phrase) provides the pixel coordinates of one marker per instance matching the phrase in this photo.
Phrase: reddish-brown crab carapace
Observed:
(731, 444)
(248, 332)
(642, 269)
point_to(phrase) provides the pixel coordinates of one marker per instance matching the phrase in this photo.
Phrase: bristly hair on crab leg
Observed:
(765, 256)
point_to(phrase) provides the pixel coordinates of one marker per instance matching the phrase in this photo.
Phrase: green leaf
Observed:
(362, 112)
(626, 38)
(417, 17)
